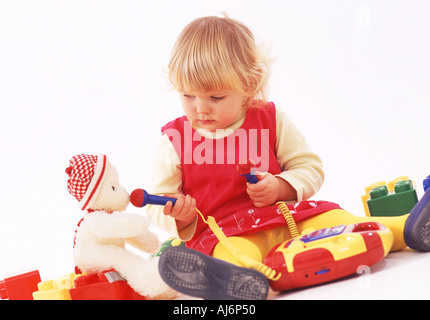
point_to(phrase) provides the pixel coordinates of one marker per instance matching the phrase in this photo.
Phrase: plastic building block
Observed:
(328, 254)
(396, 198)
(401, 202)
(55, 289)
(107, 285)
(366, 196)
(20, 287)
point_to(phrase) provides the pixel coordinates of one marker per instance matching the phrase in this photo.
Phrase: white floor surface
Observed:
(402, 275)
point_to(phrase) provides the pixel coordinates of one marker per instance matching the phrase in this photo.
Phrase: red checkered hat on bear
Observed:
(86, 173)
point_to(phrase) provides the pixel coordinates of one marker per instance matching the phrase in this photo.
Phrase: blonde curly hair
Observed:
(214, 54)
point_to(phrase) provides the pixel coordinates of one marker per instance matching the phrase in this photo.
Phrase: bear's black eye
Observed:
(113, 188)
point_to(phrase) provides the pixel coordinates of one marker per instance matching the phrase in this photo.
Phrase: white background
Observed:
(87, 77)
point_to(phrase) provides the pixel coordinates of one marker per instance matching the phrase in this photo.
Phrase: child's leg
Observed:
(417, 227)
(336, 217)
(197, 274)
(255, 246)
(249, 245)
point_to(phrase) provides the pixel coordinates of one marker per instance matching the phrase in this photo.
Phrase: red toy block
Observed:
(20, 287)
(107, 285)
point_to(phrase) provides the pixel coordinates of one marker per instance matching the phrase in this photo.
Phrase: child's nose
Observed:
(202, 107)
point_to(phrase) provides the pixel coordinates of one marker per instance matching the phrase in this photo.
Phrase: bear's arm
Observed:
(117, 224)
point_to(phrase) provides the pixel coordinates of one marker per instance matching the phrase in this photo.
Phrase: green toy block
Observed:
(401, 202)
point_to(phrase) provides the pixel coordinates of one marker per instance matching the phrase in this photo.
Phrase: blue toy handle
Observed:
(140, 198)
(153, 199)
(251, 177)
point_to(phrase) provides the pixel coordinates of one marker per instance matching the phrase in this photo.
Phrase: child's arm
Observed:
(300, 166)
(167, 180)
(301, 175)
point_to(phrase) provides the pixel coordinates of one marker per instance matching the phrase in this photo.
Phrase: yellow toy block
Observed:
(56, 289)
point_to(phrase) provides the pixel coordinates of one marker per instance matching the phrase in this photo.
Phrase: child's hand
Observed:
(184, 210)
(270, 189)
(265, 192)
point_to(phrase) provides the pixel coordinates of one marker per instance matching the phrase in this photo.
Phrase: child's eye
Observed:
(188, 96)
(217, 98)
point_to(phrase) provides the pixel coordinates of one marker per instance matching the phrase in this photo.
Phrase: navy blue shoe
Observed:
(196, 274)
(417, 226)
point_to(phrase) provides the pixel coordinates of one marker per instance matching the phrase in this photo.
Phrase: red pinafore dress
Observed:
(210, 176)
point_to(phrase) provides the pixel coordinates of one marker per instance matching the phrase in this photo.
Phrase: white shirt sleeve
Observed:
(300, 166)
(167, 179)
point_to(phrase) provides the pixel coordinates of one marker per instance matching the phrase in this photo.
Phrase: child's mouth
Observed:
(207, 122)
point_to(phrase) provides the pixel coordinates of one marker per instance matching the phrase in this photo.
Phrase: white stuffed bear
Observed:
(101, 235)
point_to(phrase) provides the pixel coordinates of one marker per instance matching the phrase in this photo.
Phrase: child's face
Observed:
(212, 110)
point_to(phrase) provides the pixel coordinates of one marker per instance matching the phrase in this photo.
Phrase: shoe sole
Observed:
(196, 274)
(417, 226)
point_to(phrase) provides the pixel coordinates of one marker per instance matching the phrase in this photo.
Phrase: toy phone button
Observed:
(321, 271)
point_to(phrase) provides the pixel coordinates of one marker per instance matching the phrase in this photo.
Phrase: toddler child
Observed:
(221, 78)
